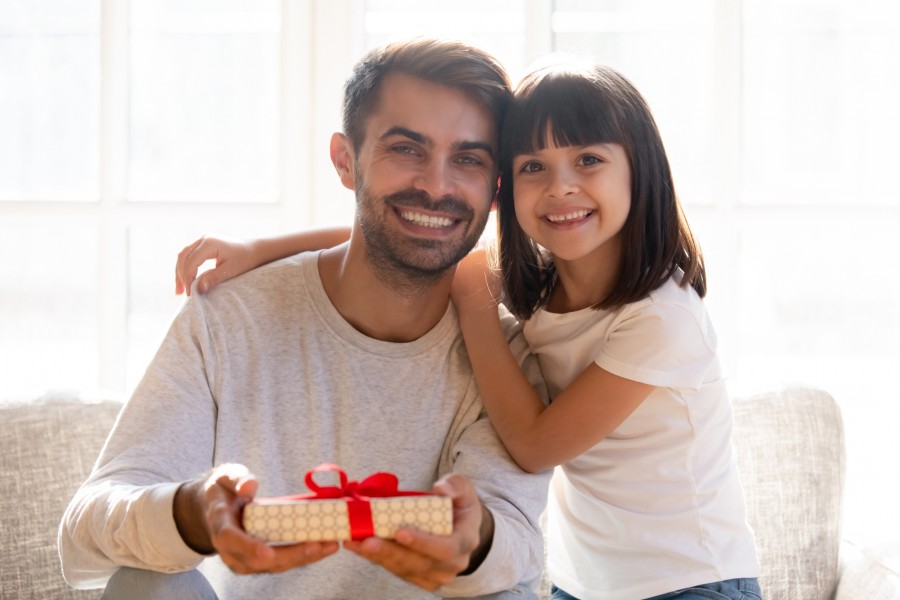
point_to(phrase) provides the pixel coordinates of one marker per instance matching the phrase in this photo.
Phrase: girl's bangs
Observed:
(577, 112)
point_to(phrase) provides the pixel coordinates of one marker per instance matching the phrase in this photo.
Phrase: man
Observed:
(350, 356)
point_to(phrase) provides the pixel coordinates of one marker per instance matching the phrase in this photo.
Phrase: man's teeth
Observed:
(426, 220)
(572, 216)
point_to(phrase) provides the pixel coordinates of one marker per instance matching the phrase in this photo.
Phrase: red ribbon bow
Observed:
(357, 494)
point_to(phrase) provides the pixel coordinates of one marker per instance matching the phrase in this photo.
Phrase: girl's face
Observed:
(573, 200)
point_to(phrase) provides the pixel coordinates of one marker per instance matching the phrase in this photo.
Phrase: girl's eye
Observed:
(589, 160)
(530, 167)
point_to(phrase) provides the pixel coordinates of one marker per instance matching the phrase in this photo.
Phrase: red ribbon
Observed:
(357, 494)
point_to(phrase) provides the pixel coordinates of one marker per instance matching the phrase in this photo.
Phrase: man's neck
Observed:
(376, 307)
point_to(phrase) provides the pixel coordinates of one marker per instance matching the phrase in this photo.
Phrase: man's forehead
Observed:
(428, 109)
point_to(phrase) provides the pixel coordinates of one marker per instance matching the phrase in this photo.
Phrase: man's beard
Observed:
(409, 264)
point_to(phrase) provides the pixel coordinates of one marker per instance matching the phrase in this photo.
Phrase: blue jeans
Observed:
(137, 584)
(732, 589)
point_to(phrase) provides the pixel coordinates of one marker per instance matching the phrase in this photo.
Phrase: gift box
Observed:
(352, 511)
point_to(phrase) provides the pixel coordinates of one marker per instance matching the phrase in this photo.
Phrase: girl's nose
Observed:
(561, 184)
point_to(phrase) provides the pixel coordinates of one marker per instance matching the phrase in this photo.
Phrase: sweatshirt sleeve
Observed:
(515, 498)
(122, 514)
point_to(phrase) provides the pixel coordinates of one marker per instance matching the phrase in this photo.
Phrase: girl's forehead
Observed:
(550, 136)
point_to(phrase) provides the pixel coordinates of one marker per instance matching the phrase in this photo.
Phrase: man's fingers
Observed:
(234, 478)
(226, 490)
(427, 570)
(279, 559)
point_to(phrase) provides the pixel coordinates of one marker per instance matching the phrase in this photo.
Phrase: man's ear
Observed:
(342, 158)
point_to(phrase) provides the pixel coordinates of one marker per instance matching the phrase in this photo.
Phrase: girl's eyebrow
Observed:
(604, 145)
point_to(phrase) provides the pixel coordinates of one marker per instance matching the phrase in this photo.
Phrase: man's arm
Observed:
(144, 506)
(164, 436)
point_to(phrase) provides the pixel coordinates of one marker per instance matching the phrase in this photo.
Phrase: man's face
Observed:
(425, 176)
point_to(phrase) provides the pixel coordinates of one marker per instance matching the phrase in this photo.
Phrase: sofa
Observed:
(789, 443)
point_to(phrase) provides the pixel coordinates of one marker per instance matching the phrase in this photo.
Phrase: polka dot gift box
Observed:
(355, 510)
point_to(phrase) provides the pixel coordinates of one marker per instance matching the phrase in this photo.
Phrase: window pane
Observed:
(50, 99)
(667, 50)
(204, 91)
(497, 26)
(819, 309)
(819, 94)
(48, 305)
(153, 247)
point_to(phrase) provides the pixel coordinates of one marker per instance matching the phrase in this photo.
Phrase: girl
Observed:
(599, 263)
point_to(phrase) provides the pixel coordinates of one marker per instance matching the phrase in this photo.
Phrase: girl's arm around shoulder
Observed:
(234, 258)
(538, 437)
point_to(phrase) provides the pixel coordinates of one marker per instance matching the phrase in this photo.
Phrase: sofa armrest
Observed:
(866, 576)
(47, 447)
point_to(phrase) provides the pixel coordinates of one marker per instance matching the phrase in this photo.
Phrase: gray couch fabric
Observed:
(789, 444)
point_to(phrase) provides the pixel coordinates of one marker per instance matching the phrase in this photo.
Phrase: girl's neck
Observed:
(583, 282)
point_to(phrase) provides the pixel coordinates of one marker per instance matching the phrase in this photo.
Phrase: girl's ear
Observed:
(342, 158)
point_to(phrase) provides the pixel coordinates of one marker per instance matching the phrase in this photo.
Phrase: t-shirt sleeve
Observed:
(659, 343)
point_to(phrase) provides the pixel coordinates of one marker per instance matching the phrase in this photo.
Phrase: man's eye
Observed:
(404, 149)
(470, 160)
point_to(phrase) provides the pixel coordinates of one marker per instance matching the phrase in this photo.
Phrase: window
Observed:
(131, 127)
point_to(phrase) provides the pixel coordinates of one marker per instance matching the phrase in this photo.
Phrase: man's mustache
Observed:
(451, 205)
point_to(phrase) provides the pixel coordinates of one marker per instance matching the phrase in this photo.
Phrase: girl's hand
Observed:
(232, 258)
(476, 285)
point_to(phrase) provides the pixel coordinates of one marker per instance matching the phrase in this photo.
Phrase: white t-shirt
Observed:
(657, 505)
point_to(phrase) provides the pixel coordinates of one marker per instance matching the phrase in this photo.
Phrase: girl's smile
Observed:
(573, 200)
(569, 218)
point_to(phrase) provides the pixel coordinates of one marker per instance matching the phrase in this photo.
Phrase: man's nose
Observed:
(436, 179)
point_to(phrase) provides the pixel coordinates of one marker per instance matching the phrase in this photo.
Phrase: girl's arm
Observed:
(235, 257)
(537, 436)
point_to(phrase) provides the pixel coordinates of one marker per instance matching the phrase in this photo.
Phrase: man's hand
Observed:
(430, 561)
(207, 513)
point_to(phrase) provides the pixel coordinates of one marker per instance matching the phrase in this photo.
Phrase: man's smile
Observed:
(426, 220)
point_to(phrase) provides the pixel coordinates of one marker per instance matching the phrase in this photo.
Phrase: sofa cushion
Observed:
(865, 575)
(790, 448)
(47, 448)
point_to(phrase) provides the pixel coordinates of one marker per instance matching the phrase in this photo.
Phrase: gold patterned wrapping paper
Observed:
(290, 521)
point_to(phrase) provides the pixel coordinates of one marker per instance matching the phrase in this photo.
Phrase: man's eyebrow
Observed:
(427, 141)
(413, 135)
(475, 146)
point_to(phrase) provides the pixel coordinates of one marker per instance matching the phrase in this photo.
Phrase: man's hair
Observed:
(454, 64)
(586, 106)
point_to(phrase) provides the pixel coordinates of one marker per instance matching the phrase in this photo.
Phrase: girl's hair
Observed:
(585, 107)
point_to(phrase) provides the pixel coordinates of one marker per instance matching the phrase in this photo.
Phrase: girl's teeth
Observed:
(578, 214)
(426, 220)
